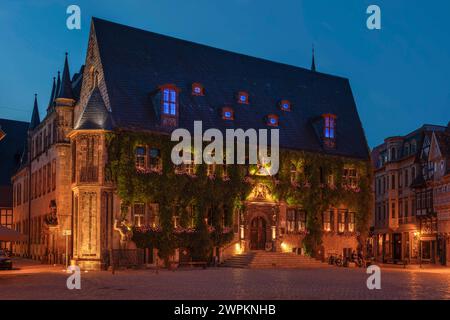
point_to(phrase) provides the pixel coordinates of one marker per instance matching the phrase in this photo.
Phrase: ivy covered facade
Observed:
(122, 193)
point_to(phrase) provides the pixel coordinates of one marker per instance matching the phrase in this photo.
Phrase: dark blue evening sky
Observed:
(400, 75)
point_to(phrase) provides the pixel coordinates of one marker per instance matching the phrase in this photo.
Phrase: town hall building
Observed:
(96, 176)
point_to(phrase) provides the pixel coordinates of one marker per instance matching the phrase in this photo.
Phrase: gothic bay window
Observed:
(197, 89)
(139, 214)
(285, 105)
(89, 162)
(141, 158)
(242, 97)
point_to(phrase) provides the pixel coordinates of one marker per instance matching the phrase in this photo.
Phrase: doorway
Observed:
(258, 234)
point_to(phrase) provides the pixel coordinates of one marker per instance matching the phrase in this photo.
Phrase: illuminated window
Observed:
(186, 167)
(169, 100)
(341, 220)
(296, 221)
(139, 214)
(330, 126)
(243, 97)
(197, 89)
(154, 159)
(227, 113)
(327, 219)
(294, 173)
(351, 222)
(141, 157)
(272, 120)
(350, 177)
(285, 105)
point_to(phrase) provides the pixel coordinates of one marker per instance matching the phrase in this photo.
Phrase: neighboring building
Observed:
(435, 188)
(45, 173)
(12, 142)
(98, 165)
(404, 222)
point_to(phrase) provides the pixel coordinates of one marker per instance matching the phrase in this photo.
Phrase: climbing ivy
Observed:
(174, 193)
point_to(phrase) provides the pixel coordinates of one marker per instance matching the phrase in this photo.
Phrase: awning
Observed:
(10, 235)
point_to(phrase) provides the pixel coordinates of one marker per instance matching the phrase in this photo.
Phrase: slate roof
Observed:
(95, 115)
(136, 62)
(443, 139)
(11, 147)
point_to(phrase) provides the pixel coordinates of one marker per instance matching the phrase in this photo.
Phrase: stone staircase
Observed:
(267, 260)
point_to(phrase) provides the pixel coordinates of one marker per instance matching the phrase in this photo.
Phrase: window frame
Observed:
(171, 88)
(329, 126)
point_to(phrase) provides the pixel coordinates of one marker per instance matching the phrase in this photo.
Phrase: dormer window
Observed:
(243, 97)
(285, 105)
(169, 100)
(197, 89)
(272, 120)
(329, 126)
(227, 113)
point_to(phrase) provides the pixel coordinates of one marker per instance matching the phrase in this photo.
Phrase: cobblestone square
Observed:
(34, 281)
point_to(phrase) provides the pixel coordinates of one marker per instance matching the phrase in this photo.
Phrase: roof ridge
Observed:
(220, 49)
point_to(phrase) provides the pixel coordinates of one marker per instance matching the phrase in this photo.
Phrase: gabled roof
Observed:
(11, 147)
(443, 140)
(136, 62)
(94, 116)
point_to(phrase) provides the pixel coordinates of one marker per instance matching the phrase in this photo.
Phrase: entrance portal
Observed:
(258, 234)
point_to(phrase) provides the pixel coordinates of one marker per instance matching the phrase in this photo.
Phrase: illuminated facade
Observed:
(131, 82)
(407, 201)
